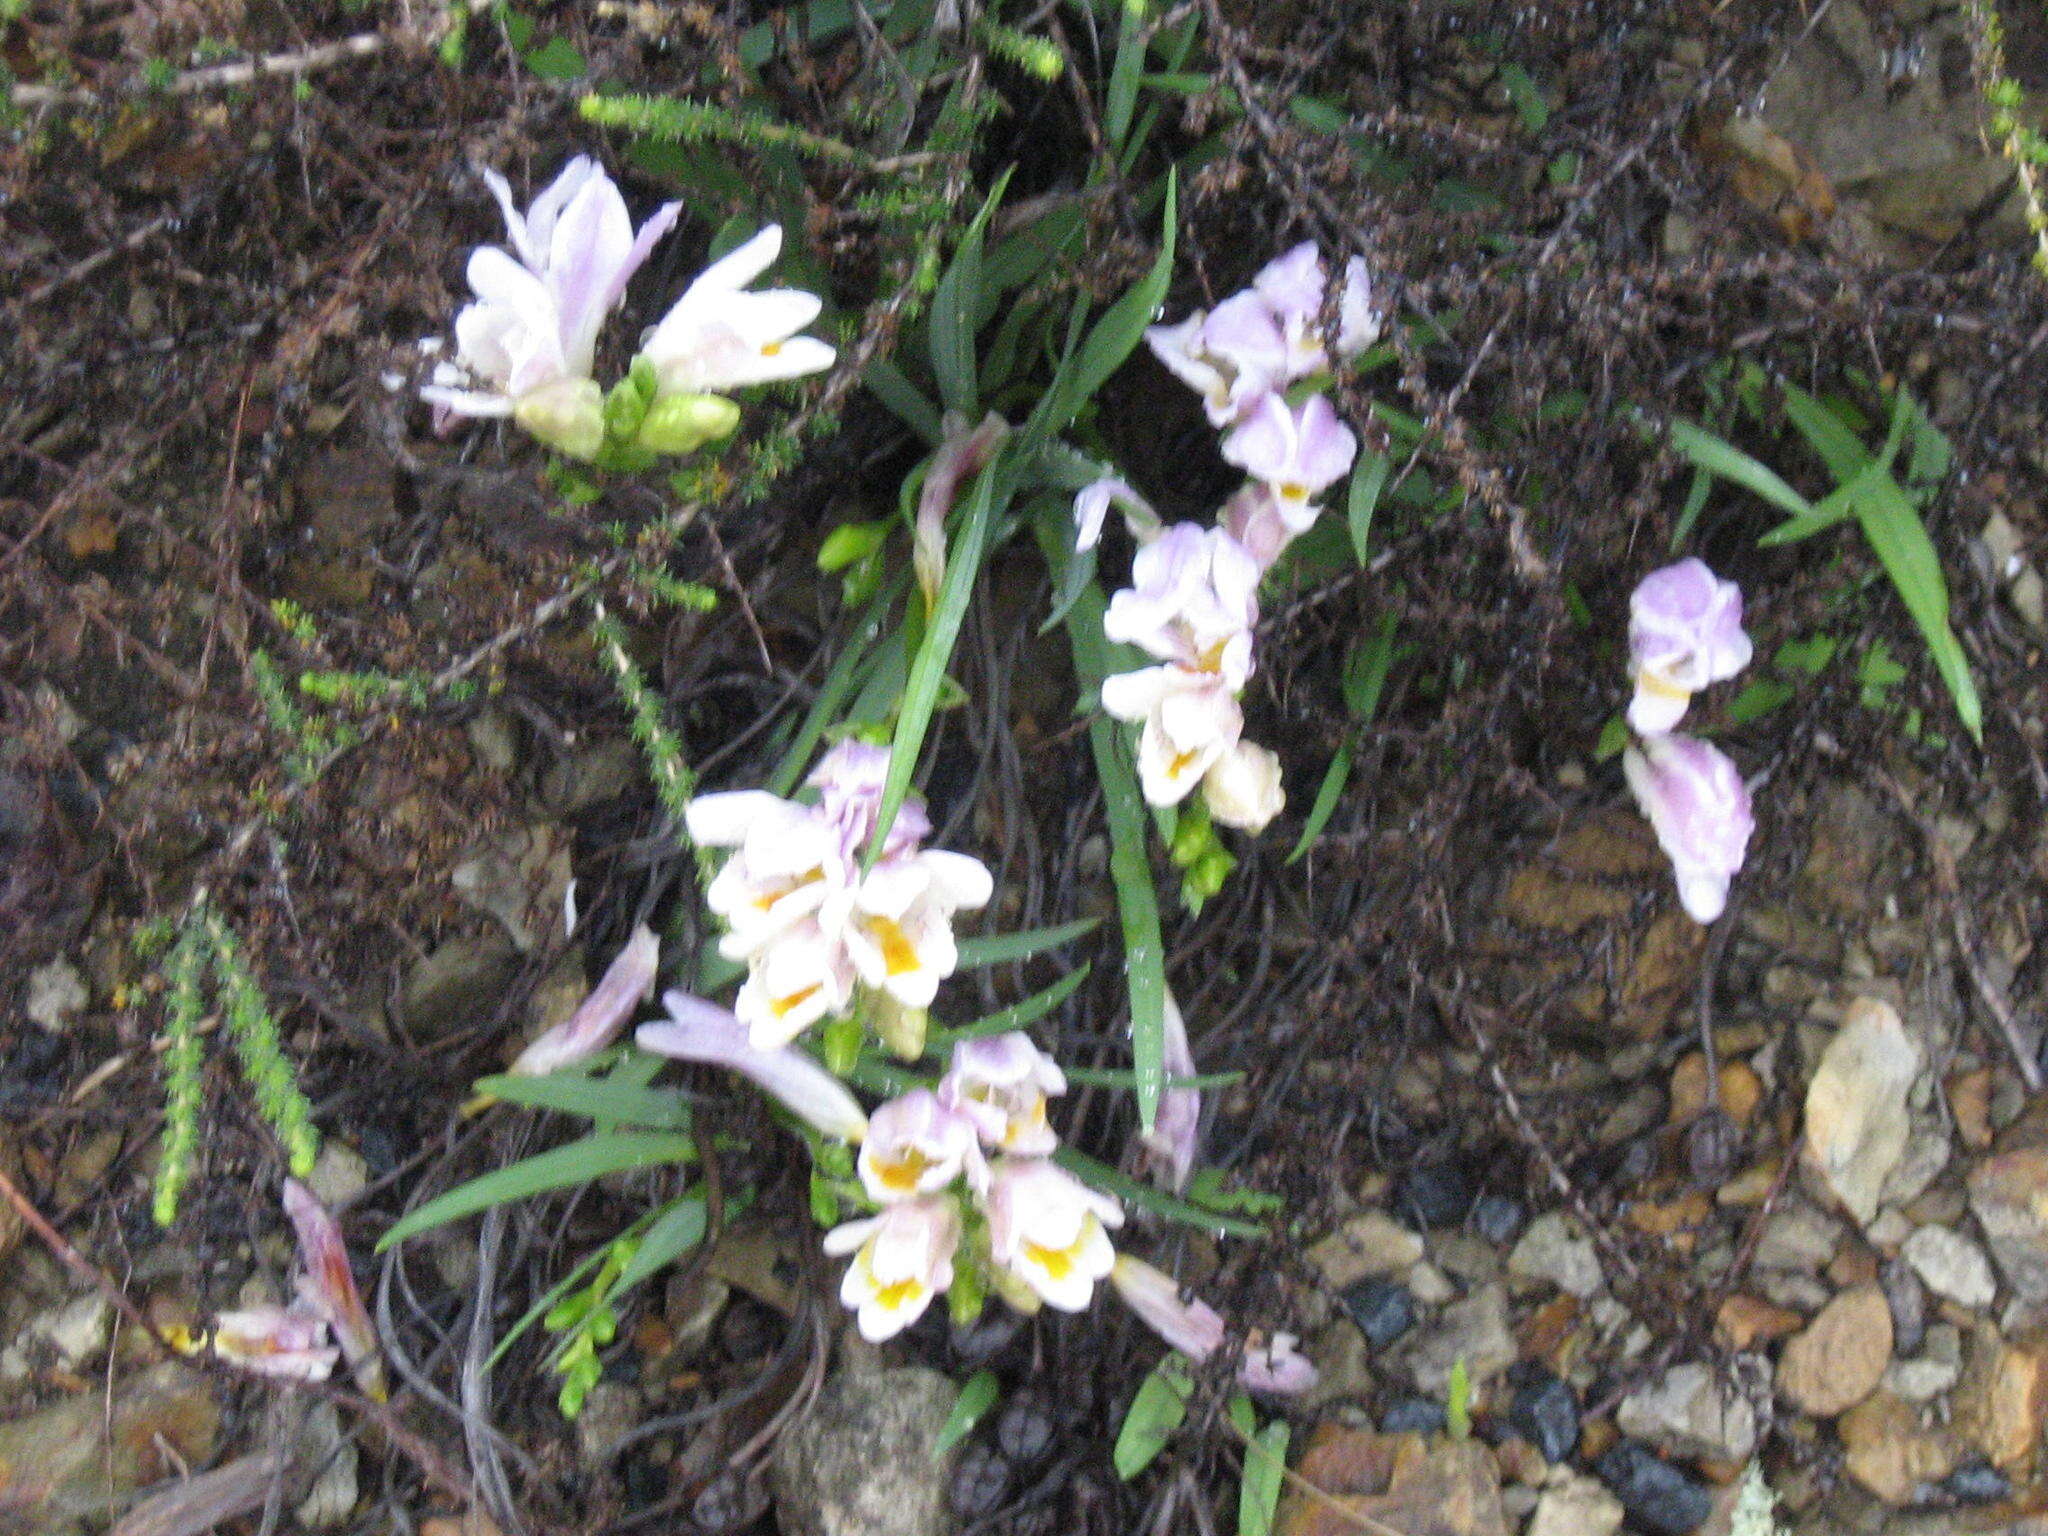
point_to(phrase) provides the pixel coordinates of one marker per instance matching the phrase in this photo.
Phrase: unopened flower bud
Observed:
(567, 415)
(685, 423)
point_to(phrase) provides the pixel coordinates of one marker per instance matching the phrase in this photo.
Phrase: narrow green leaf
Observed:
(1723, 458)
(955, 308)
(1001, 948)
(1120, 100)
(573, 1093)
(1695, 501)
(928, 668)
(1016, 1016)
(848, 671)
(1155, 1413)
(910, 405)
(977, 1396)
(677, 1230)
(1758, 698)
(1265, 1468)
(1117, 1077)
(1836, 444)
(1895, 532)
(1835, 507)
(1527, 96)
(1146, 1198)
(1368, 479)
(1137, 903)
(577, 1163)
(1335, 777)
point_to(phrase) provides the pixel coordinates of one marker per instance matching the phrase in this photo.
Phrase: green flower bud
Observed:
(567, 415)
(841, 1043)
(1210, 871)
(624, 409)
(685, 423)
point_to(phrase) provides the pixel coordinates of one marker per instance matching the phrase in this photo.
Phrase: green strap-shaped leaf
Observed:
(579, 1162)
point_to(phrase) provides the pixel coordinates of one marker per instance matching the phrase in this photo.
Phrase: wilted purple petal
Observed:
(1176, 1127)
(960, 456)
(275, 1341)
(627, 983)
(1699, 807)
(703, 1032)
(1197, 1330)
(328, 1286)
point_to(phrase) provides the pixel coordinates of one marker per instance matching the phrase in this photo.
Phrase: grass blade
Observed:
(578, 1163)
(1157, 1201)
(1721, 457)
(1895, 532)
(956, 310)
(1016, 1016)
(1367, 481)
(996, 949)
(977, 1396)
(1137, 902)
(675, 1232)
(572, 1093)
(1335, 777)
(928, 668)
(1265, 1465)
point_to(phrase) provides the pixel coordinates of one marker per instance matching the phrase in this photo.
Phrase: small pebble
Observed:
(1382, 1309)
(1435, 1194)
(1497, 1218)
(1024, 1428)
(1907, 1298)
(981, 1479)
(1977, 1482)
(1544, 1412)
(1413, 1415)
(1659, 1498)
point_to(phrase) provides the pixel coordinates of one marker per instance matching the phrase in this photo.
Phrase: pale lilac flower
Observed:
(1242, 788)
(901, 1260)
(702, 1032)
(897, 924)
(1091, 510)
(627, 983)
(1298, 453)
(284, 1342)
(1262, 525)
(788, 861)
(328, 1286)
(1175, 1136)
(1001, 1084)
(1197, 1330)
(849, 781)
(1190, 722)
(526, 346)
(917, 1146)
(1046, 1230)
(1230, 358)
(1699, 807)
(719, 335)
(1193, 601)
(1684, 632)
(960, 456)
(805, 975)
(1292, 285)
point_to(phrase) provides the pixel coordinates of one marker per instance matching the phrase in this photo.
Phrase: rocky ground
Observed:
(1671, 1202)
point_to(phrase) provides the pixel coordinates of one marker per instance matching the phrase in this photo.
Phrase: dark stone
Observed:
(1413, 1415)
(1660, 1499)
(1382, 1309)
(1976, 1482)
(1436, 1194)
(981, 1480)
(1024, 1428)
(1907, 1298)
(1544, 1412)
(1498, 1219)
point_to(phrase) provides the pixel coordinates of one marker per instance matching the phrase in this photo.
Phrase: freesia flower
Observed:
(1297, 454)
(283, 1342)
(898, 923)
(697, 1031)
(1197, 1330)
(1242, 788)
(788, 862)
(719, 335)
(849, 781)
(627, 983)
(1256, 518)
(917, 1146)
(804, 976)
(1047, 1231)
(1231, 358)
(1292, 285)
(901, 1260)
(1091, 510)
(526, 346)
(1193, 601)
(1189, 722)
(1175, 1136)
(328, 1287)
(1000, 1084)
(1684, 632)
(1699, 808)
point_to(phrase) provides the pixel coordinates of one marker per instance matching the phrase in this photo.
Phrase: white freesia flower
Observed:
(897, 925)
(917, 1146)
(1292, 285)
(526, 346)
(901, 1260)
(1047, 1230)
(1001, 1084)
(1190, 721)
(1193, 601)
(1242, 788)
(788, 862)
(719, 335)
(803, 976)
